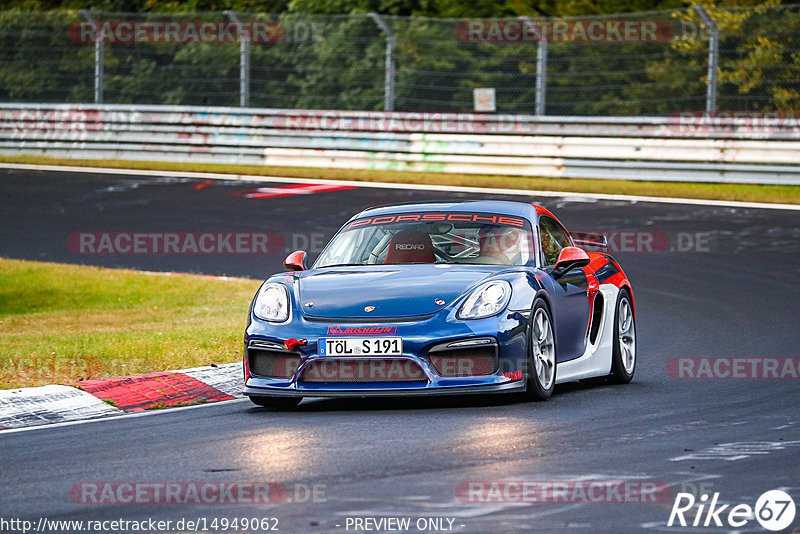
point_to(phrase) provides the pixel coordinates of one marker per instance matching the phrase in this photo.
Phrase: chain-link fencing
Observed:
(642, 64)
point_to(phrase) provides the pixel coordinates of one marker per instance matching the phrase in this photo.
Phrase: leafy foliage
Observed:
(332, 56)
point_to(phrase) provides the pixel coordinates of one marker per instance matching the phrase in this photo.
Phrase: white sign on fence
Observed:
(484, 99)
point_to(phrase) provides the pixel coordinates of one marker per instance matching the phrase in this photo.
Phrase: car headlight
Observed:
(486, 300)
(272, 303)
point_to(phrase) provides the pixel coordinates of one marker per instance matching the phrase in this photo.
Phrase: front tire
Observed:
(541, 378)
(623, 359)
(279, 403)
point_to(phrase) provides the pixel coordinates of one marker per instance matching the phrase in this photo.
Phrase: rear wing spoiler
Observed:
(587, 239)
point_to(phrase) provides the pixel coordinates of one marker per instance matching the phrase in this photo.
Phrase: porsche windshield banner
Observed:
(484, 218)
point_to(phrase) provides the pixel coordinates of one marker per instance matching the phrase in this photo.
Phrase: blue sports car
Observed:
(441, 298)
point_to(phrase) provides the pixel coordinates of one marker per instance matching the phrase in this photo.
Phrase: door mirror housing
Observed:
(569, 258)
(296, 261)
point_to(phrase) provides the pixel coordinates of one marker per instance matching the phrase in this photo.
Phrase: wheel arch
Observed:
(542, 294)
(625, 284)
(545, 297)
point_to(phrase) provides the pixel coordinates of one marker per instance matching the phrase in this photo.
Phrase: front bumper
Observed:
(507, 330)
(517, 386)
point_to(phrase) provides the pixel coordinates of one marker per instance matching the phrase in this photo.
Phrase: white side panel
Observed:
(596, 361)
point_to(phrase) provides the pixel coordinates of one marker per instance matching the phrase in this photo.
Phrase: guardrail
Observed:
(679, 148)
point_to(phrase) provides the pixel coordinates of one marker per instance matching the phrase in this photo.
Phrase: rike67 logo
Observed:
(774, 511)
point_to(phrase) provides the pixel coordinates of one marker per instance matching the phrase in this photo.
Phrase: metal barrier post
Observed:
(541, 76)
(541, 69)
(244, 59)
(98, 57)
(713, 58)
(388, 89)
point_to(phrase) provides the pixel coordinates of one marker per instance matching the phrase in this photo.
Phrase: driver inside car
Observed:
(503, 246)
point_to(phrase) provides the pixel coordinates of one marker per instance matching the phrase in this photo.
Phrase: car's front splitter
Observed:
(516, 386)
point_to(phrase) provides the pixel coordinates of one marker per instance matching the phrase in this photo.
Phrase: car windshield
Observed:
(431, 237)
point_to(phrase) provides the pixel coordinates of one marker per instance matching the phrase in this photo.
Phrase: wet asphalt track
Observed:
(735, 295)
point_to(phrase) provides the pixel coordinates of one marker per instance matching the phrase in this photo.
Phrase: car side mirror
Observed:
(296, 261)
(569, 258)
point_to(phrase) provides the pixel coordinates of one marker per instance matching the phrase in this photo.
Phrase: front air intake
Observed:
(271, 363)
(477, 357)
(363, 370)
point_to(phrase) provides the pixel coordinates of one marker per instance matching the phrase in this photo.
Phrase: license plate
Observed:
(360, 346)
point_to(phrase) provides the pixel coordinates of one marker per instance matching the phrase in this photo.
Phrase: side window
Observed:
(553, 238)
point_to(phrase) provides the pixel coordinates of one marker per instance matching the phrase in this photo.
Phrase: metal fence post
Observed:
(541, 76)
(244, 59)
(98, 57)
(713, 58)
(541, 69)
(388, 86)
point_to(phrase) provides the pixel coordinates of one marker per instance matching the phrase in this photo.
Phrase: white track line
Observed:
(414, 187)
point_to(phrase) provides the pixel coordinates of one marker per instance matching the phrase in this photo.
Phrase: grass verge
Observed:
(782, 194)
(64, 323)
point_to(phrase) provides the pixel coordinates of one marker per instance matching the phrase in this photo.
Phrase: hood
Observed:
(394, 290)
